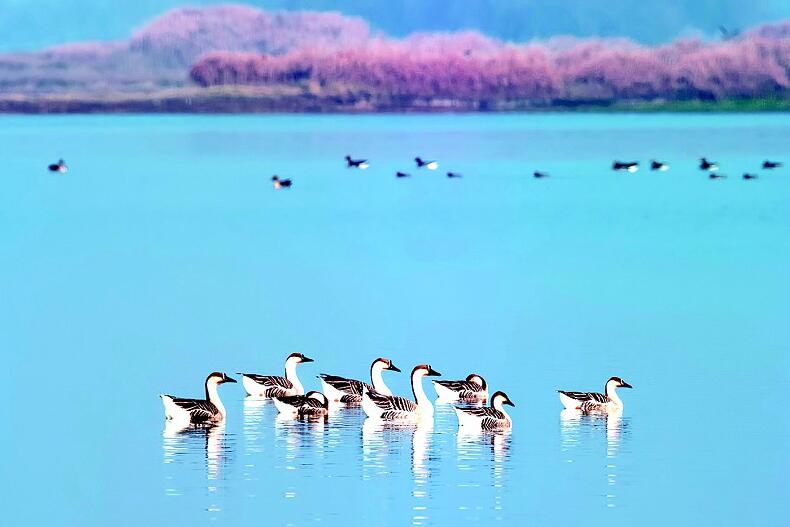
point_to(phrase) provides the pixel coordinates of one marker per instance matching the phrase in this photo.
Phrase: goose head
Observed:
(318, 396)
(384, 364)
(424, 370)
(477, 379)
(499, 399)
(617, 382)
(297, 358)
(217, 378)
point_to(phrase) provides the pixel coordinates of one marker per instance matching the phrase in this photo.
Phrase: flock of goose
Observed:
(376, 399)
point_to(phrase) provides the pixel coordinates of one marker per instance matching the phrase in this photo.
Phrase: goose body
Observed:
(770, 165)
(275, 386)
(474, 388)
(487, 418)
(278, 183)
(313, 403)
(454, 175)
(402, 174)
(205, 410)
(608, 401)
(658, 165)
(430, 165)
(631, 166)
(714, 175)
(361, 164)
(710, 166)
(749, 176)
(60, 167)
(349, 391)
(539, 175)
(393, 408)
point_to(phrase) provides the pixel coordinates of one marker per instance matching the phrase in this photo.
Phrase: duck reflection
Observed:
(575, 424)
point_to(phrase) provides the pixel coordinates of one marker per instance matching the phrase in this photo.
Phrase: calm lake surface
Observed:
(165, 254)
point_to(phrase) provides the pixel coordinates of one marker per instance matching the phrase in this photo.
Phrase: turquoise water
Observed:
(164, 254)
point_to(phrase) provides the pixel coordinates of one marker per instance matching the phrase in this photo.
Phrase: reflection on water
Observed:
(579, 430)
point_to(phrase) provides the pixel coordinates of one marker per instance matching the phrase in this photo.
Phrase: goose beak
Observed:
(228, 379)
(433, 373)
(509, 402)
(625, 385)
(393, 368)
(307, 359)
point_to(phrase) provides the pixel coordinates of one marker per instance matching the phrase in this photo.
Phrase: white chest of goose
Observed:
(393, 408)
(487, 418)
(608, 401)
(275, 386)
(349, 391)
(474, 388)
(312, 404)
(205, 410)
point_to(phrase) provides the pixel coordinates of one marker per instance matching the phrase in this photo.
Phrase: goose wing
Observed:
(199, 409)
(460, 386)
(270, 381)
(586, 396)
(293, 400)
(341, 384)
(390, 403)
(485, 412)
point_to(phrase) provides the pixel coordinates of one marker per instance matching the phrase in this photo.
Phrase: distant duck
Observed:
(361, 164)
(281, 183)
(60, 167)
(454, 175)
(392, 408)
(595, 402)
(619, 166)
(205, 410)
(313, 403)
(430, 165)
(749, 176)
(714, 175)
(274, 386)
(710, 166)
(474, 388)
(402, 174)
(770, 165)
(539, 175)
(658, 165)
(349, 391)
(489, 418)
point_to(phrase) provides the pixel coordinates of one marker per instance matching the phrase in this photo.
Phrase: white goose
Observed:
(474, 388)
(205, 410)
(349, 391)
(274, 386)
(596, 402)
(392, 408)
(487, 418)
(313, 403)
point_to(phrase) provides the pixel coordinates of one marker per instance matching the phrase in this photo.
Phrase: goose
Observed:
(313, 403)
(454, 175)
(60, 166)
(770, 165)
(713, 175)
(274, 386)
(361, 164)
(402, 174)
(487, 418)
(205, 410)
(392, 408)
(430, 165)
(596, 402)
(658, 165)
(710, 166)
(539, 175)
(631, 166)
(474, 388)
(349, 391)
(281, 183)
(749, 176)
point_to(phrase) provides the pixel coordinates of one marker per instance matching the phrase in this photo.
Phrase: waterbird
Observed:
(595, 402)
(487, 418)
(393, 408)
(361, 164)
(710, 166)
(770, 165)
(430, 165)
(713, 175)
(274, 386)
(205, 410)
(539, 175)
(454, 175)
(749, 176)
(474, 388)
(313, 403)
(281, 183)
(349, 391)
(60, 166)
(631, 166)
(658, 165)
(402, 174)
